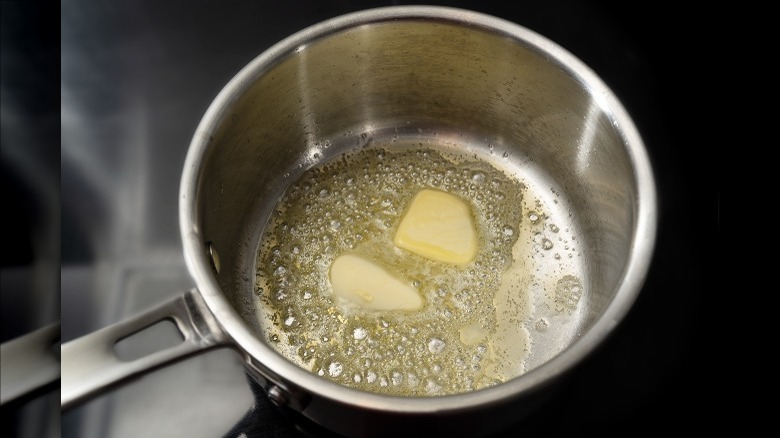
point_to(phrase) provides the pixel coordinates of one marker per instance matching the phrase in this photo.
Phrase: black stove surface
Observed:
(136, 77)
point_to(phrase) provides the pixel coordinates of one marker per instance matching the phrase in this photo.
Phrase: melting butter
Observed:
(439, 226)
(354, 207)
(362, 282)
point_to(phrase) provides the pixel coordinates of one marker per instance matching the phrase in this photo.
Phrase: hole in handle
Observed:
(156, 337)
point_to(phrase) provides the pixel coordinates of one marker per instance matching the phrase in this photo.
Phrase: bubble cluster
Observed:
(354, 204)
(568, 292)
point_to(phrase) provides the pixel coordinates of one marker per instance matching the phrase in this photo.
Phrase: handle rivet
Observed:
(277, 396)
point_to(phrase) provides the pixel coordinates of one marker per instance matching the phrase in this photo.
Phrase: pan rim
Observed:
(198, 263)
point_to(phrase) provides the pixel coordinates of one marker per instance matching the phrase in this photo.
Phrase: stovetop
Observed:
(137, 76)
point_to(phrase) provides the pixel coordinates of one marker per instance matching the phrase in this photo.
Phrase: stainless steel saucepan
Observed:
(455, 78)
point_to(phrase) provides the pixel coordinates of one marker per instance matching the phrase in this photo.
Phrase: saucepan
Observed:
(316, 152)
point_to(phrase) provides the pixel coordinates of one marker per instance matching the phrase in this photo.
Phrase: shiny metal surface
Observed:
(29, 362)
(91, 363)
(364, 75)
(136, 77)
(423, 69)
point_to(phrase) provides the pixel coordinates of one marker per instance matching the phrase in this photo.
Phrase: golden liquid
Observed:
(354, 204)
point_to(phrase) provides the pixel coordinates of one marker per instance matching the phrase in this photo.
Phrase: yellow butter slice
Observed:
(367, 284)
(439, 226)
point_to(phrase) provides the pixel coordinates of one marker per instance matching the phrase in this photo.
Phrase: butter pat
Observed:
(438, 226)
(367, 284)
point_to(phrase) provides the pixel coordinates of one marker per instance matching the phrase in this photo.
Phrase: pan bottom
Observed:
(515, 306)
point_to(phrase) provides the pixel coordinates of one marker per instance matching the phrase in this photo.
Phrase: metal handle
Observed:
(90, 365)
(29, 363)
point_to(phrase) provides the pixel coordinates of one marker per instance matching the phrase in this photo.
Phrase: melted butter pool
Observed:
(476, 326)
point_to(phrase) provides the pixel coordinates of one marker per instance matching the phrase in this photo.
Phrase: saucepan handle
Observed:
(29, 363)
(90, 364)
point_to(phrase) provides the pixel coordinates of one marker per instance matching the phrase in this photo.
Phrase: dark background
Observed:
(649, 376)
